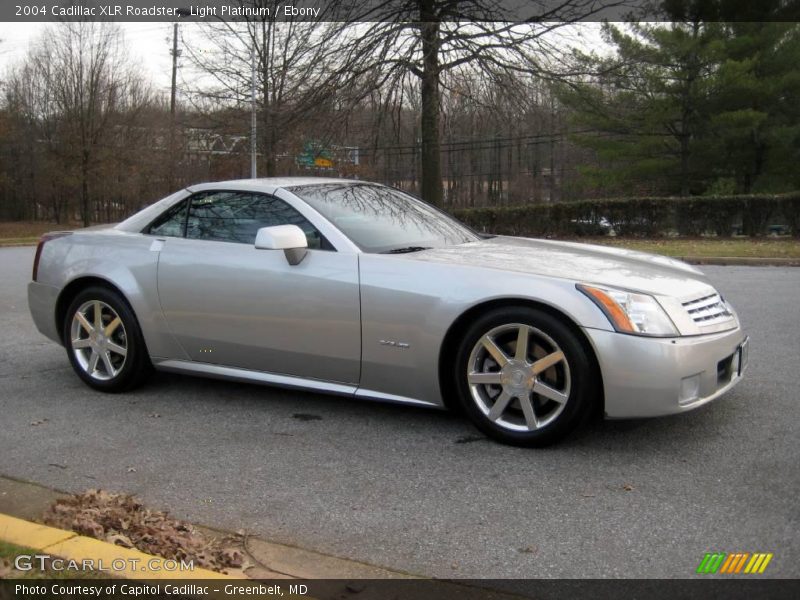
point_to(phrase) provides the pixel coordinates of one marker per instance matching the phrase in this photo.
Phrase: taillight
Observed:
(45, 238)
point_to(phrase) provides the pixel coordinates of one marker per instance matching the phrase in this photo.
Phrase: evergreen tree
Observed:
(755, 119)
(649, 104)
(697, 104)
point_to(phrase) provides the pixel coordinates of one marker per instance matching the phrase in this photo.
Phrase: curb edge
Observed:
(72, 546)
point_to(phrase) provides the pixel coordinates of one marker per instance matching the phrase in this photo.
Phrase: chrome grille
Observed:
(708, 310)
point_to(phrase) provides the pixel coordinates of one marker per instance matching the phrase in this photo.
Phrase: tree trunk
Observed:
(266, 132)
(267, 103)
(271, 162)
(431, 188)
(687, 115)
(684, 165)
(85, 209)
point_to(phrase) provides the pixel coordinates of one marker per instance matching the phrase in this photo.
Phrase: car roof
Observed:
(268, 184)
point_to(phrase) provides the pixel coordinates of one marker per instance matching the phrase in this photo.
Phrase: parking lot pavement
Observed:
(420, 490)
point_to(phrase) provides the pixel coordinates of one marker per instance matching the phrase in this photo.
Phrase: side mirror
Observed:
(289, 238)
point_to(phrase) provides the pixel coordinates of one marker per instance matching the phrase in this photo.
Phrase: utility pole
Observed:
(172, 125)
(174, 70)
(253, 174)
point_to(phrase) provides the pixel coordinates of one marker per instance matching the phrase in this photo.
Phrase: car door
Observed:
(228, 303)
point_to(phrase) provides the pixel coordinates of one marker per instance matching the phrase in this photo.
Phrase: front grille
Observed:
(708, 310)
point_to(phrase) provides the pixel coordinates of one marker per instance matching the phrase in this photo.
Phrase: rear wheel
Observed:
(523, 377)
(104, 342)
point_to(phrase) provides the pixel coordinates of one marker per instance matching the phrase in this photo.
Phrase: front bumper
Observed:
(42, 303)
(650, 377)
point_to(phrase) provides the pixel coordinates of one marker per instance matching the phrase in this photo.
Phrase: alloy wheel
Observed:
(99, 340)
(518, 377)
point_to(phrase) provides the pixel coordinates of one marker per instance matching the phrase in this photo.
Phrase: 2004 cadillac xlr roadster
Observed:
(361, 290)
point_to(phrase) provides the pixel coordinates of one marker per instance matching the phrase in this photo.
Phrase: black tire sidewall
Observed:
(136, 359)
(583, 381)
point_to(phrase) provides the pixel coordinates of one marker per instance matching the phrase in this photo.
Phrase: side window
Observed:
(171, 222)
(237, 217)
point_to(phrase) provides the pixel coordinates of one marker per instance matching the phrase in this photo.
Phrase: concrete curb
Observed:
(115, 560)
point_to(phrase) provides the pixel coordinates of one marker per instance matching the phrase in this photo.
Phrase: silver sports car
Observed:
(361, 290)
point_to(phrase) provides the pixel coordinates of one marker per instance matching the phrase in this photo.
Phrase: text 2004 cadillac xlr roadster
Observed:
(361, 290)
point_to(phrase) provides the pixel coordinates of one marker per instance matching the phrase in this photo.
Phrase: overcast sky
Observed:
(149, 45)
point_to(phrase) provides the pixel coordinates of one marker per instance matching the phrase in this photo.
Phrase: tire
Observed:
(535, 398)
(121, 362)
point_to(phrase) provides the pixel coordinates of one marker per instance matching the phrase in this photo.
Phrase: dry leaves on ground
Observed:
(122, 520)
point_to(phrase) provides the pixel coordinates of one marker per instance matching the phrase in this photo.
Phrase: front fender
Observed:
(415, 303)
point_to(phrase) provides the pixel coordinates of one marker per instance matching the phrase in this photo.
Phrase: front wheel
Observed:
(103, 341)
(523, 377)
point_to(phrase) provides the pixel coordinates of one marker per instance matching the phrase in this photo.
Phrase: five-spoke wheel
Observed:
(523, 376)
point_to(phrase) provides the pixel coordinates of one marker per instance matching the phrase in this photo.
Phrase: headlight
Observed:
(630, 312)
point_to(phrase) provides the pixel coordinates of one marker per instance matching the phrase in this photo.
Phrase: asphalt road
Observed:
(420, 490)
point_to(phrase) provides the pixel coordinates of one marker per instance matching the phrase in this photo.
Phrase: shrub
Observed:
(648, 216)
(791, 213)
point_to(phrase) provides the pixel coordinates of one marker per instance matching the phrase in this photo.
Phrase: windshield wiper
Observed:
(406, 249)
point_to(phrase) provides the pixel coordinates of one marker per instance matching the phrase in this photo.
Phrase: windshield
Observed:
(381, 219)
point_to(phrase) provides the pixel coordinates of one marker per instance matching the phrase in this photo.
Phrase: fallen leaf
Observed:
(122, 520)
(627, 487)
(233, 557)
(119, 539)
(86, 526)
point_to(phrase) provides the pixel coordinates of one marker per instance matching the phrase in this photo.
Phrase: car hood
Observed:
(617, 267)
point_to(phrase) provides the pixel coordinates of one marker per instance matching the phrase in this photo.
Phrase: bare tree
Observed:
(90, 82)
(425, 39)
(77, 105)
(36, 142)
(296, 72)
